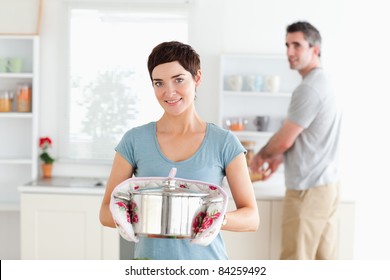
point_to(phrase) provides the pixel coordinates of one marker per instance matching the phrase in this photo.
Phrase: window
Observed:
(109, 89)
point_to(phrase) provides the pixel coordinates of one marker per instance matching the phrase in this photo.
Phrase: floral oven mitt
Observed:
(205, 225)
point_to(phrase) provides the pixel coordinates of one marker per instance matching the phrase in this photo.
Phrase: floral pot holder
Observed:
(205, 225)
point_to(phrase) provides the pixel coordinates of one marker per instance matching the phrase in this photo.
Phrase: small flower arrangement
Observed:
(44, 144)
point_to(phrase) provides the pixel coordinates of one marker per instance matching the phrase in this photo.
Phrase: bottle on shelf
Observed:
(6, 98)
(23, 98)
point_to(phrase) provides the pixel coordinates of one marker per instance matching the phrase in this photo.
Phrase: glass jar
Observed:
(5, 101)
(236, 124)
(23, 98)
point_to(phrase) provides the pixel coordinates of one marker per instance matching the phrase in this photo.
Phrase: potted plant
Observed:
(47, 165)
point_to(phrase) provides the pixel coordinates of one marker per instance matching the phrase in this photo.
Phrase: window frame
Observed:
(178, 7)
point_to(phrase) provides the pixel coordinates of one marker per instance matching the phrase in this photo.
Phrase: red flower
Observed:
(44, 144)
(133, 212)
(207, 222)
(216, 215)
(197, 222)
(212, 188)
(44, 141)
(134, 218)
(128, 218)
(133, 206)
(122, 205)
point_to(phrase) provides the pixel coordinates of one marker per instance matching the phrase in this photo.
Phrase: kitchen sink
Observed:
(71, 182)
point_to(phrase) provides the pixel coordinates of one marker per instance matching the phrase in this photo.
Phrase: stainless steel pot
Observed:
(166, 211)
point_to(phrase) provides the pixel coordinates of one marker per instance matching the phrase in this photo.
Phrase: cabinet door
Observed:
(250, 245)
(65, 227)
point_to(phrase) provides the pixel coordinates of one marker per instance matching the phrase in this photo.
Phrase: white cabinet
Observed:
(250, 245)
(18, 130)
(248, 102)
(65, 226)
(264, 244)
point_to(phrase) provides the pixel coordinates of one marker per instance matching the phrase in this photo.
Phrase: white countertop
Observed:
(272, 189)
(66, 185)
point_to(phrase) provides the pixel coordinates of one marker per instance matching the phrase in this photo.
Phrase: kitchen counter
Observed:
(46, 203)
(272, 189)
(66, 185)
(269, 190)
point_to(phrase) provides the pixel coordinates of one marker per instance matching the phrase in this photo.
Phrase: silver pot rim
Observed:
(161, 191)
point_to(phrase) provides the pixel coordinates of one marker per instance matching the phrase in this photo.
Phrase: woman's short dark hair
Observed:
(312, 35)
(174, 51)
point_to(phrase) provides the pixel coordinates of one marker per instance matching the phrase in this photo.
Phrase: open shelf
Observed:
(15, 161)
(12, 115)
(252, 101)
(19, 130)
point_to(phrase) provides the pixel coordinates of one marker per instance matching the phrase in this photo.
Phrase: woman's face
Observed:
(174, 87)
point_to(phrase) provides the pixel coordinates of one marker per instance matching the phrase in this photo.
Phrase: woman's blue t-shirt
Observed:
(139, 146)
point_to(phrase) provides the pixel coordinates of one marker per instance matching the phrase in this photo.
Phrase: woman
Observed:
(180, 138)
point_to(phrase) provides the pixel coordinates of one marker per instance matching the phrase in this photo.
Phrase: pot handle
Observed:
(172, 173)
(170, 183)
(212, 200)
(123, 196)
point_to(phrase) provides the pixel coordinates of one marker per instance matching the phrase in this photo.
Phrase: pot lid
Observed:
(170, 189)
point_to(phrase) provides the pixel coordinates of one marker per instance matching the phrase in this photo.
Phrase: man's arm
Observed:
(272, 152)
(282, 140)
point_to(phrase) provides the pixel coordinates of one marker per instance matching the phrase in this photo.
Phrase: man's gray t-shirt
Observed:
(313, 159)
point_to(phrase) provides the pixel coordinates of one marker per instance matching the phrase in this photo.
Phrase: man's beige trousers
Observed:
(309, 223)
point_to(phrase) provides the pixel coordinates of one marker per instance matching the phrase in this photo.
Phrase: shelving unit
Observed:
(19, 139)
(16, 75)
(249, 104)
(18, 130)
(18, 150)
(15, 155)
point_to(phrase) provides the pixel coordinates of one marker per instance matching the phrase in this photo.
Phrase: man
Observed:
(308, 144)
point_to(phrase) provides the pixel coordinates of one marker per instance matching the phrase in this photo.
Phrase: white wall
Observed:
(355, 54)
(355, 42)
